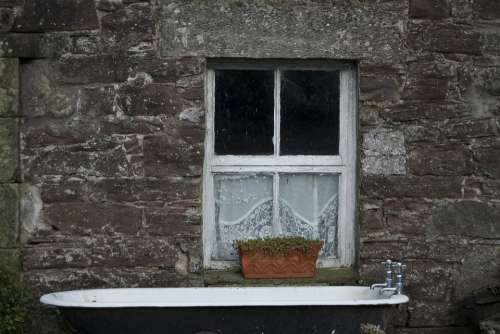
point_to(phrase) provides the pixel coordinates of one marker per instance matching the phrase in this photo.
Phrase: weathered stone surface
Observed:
(467, 218)
(10, 259)
(384, 152)
(87, 219)
(487, 9)
(93, 69)
(400, 186)
(431, 37)
(175, 222)
(435, 314)
(436, 330)
(486, 160)
(9, 87)
(422, 110)
(9, 215)
(105, 158)
(174, 191)
(283, 30)
(129, 26)
(427, 89)
(109, 5)
(480, 264)
(470, 129)
(170, 155)
(9, 160)
(6, 19)
(429, 9)
(430, 159)
(46, 281)
(57, 16)
(156, 99)
(37, 45)
(379, 89)
(99, 251)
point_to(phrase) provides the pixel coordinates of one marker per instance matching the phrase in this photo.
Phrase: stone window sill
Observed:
(324, 276)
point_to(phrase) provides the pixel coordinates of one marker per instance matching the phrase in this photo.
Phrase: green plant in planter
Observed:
(278, 245)
(15, 300)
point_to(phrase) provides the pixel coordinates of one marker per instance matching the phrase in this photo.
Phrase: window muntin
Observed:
(323, 174)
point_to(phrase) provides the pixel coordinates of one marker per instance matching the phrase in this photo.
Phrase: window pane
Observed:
(309, 113)
(309, 208)
(243, 210)
(244, 112)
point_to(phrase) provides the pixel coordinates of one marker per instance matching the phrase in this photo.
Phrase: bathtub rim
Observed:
(53, 299)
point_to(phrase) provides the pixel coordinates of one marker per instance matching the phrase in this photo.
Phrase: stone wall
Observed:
(102, 133)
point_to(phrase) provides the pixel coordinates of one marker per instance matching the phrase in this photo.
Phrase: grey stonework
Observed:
(108, 162)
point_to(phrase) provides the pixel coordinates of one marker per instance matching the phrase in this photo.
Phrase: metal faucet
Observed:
(399, 269)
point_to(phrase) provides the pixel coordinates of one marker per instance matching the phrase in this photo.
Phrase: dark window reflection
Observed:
(244, 112)
(309, 113)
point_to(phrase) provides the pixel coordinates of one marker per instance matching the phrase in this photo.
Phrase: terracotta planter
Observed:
(294, 264)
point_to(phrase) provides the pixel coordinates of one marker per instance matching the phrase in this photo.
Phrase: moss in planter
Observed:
(15, 300)
(279, 245)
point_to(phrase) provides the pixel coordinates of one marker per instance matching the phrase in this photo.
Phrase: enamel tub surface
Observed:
(225, 310)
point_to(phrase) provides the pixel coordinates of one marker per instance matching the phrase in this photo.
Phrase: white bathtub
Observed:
(223, 296)
(220, 310)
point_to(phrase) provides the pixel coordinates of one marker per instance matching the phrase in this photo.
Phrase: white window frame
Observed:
(343, 164)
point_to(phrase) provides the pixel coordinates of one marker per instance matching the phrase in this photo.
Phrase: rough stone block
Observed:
(129, 26)
(420, 110)
(104, 158)
(467, 218)
(6, 19)
(435, 314)
(470, 129)
(46, 281)
(57, 15)
(401, 186)
(479, 264)
(99, 251)
(93, 69)
(9, 159)
(379, 89)
(436, 330)
(425, 159)
(9, 215)
(284, 30)
(406, 217)
(178, 154)
(21, 45)
(486, 161)
(384, 152)
(10, 259)
(487, 9)
(178, 191)
(424, 131)
(87, 219)
(71, 189)
(9, 87)
(156, 99)
(430, 37)
(183, 72)
(427, 89)
(429, 9)
(178, 222)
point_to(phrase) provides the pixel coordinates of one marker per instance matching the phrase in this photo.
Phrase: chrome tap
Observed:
(388, 277)
(399, 269)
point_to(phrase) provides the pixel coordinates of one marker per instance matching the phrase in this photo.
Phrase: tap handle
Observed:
(387, 265)
(399, 268)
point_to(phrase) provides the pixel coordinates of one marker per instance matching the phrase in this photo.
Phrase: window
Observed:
(280, 156)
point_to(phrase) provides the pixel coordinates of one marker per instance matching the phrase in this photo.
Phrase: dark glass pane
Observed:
(309, 113)
(244, 112)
